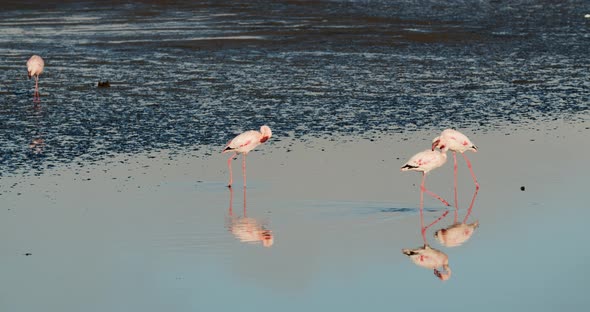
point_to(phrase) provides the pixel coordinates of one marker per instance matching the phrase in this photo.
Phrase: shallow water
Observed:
(186, 75)
(114, 199)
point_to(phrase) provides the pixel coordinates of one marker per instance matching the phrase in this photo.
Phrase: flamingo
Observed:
(459, 232)
(424, 162)
(35, 67)
(244, 143)
(456, 141)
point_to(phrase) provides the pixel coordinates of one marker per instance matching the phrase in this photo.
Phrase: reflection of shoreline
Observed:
(246, 229)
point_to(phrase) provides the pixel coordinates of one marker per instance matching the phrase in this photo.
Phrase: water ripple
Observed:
(188, 76)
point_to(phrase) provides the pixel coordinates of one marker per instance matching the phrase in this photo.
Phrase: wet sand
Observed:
(148, 232)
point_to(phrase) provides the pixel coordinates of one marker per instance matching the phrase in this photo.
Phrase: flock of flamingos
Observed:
(425, 161)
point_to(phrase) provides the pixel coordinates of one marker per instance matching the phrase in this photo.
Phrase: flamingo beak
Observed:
(474, 148)
(435, 144)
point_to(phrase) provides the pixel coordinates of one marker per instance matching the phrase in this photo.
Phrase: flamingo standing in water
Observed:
(35, 67)
(456, 141)
(424, 162)
(244, 143)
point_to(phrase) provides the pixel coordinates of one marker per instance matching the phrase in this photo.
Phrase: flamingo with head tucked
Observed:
(456, 141)
(243, 144)
(35, 67)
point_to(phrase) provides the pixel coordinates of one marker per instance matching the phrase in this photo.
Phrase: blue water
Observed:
(87, 225)
(187, 75)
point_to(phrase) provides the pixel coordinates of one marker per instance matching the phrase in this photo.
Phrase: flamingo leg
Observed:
(471, 205)
(455, 186)
(231, 179)
(244, 168)
(446, 203)
(471, 170)
(423, 189)
(436, 221)
(422, 228)
(231, 202)
(244, 202)
(37, 87)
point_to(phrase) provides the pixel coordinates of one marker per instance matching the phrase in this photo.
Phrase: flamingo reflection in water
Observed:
(246, 229)
(37, 144)
(429, 257)
(459, 232)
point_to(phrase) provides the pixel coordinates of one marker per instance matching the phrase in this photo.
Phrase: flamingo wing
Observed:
(243, 140)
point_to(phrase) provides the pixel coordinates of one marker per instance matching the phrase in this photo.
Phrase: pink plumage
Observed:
(243, 144)
(35, 67)
(425, 162)
(456, 141)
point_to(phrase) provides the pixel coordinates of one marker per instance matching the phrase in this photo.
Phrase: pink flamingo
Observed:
(35, 67)
(424, 162)
(244, 143)
(456, 141)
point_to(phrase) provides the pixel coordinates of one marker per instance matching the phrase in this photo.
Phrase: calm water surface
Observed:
(113, 199)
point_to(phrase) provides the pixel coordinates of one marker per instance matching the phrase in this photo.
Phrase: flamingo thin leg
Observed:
(37, 88)
(422, 228)
(446, 203)
(231, 179)
(455, 185)
(470, 206)
(244, 168)
(471, 170)
(438, 219)
(231, 202)
(423, 189)
(244, 201)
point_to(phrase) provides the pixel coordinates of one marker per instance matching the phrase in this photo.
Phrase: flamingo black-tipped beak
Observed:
(435, 144)
(474, 148)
